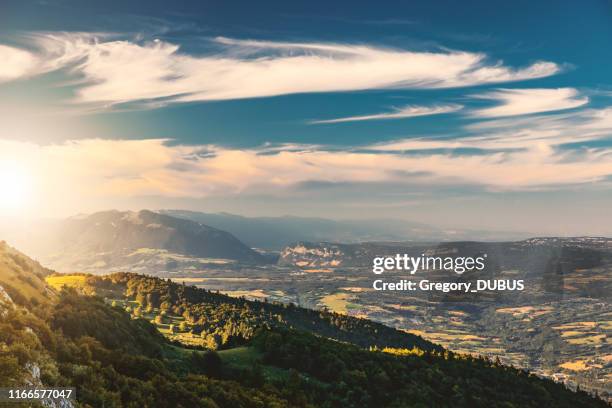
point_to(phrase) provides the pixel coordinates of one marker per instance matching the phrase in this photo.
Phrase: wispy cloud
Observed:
(45, 53)
(409, 111)
(512, 102)
(16, 63)
(519, 133)
(116, 71)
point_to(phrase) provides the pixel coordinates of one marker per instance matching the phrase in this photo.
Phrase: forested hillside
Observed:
(232, 321)
(113, 358)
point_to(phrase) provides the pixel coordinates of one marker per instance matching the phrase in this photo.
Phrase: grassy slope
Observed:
(22, 277)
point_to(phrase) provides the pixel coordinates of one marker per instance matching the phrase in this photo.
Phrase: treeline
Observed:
(340, 375)
(225, 321)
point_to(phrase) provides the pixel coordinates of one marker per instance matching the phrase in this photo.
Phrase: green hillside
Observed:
(120, 359)
(225, 321)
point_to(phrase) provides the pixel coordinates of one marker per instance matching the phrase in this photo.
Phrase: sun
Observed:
(15, 187)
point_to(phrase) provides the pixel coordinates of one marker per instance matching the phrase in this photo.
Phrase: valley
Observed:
(566, 338)
(563, 337)
(558, 327)
(134, 340)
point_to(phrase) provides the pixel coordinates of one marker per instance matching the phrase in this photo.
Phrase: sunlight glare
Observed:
(14, 188)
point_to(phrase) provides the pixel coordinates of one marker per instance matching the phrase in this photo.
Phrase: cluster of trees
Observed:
(224, 321)
(342, 375)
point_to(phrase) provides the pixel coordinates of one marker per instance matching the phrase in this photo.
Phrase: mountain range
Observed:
(274, 233)
(147, 241)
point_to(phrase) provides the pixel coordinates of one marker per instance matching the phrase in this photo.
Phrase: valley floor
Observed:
(566, 338)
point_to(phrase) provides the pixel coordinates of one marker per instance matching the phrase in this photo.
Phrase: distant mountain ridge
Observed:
(275, 233)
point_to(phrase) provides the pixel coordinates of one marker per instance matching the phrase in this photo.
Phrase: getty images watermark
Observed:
(458, 265)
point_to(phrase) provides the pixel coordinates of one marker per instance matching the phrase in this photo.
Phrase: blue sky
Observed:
(488, 115)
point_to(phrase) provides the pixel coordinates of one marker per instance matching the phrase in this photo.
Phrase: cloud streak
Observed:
(116, 71)
(523, 159)
(513, 102)
(409, 111)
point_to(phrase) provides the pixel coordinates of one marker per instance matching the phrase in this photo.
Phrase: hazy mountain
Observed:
(275, 233)
(114, 239)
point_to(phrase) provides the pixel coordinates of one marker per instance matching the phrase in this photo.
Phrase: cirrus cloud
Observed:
(116, 71)
(513, 102)
(409, 111)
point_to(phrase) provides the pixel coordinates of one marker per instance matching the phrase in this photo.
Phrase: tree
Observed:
(209, 363)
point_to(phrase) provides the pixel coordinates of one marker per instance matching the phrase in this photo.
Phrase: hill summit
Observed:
(118, 238)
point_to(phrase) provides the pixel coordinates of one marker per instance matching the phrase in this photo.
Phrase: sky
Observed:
(479, 114)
